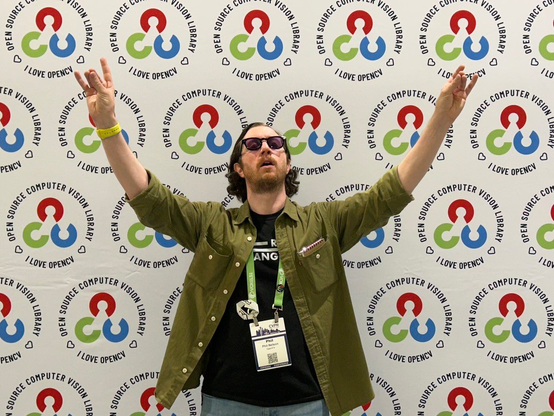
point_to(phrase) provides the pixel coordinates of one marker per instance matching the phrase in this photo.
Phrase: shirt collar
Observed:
(244, 211)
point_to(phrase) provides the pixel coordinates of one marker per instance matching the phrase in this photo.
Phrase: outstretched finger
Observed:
(106, 72)
(84, 85)
(94, 80)
(458, 70)
(80, 80)
(453, 85)
(472, 83)
(463, 82)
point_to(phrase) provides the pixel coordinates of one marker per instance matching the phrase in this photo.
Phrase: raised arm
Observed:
(449, 105)
(101, 106)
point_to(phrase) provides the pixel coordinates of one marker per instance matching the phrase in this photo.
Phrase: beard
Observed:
(265, 183)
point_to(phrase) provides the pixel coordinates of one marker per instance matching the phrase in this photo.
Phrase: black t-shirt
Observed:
(231, 371)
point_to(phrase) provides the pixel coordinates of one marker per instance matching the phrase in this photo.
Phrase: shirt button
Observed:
(200, 344)
(237, 264)
(225, 291)
(184, 370)
(317, 256)
(210, 257)
(249, 238)
(213, 318)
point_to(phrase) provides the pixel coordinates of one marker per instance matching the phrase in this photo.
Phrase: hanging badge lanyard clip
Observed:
(276, 309)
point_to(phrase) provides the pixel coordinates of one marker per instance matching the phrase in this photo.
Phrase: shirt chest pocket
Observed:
(319, 265)
(208, 266)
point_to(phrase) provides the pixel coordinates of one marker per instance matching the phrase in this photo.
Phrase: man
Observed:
(265, 315)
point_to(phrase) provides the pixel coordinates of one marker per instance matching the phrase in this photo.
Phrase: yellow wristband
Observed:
(112, 131)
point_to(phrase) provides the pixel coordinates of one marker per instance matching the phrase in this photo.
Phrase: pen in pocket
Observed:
(307, 250)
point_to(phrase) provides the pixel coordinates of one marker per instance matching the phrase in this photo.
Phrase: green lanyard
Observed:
(279, 289)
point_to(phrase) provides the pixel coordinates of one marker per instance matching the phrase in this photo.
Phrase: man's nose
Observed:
(265, 147)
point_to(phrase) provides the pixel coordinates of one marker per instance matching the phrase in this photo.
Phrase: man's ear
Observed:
(238, 169)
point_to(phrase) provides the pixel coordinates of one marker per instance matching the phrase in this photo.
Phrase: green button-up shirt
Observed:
(222, 240)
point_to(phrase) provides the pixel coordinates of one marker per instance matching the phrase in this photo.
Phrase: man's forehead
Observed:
(260, 131)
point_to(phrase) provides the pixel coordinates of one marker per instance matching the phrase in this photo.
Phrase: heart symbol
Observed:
(18, 249)
(70, 155)
(174, 155)
(493, 62)
(430, 62)
(328, 62)
(389, 250)
(366, 406)
(482, 156)
(338, 156)
(17, 59)
(440, 156)
(429, 250)
(29, 345)
(532, 251)
(123, 250)
(29, 154)
(390, 62)
(82, 250)
(544, 157)
(378, 156)
(185, 61)
(534, 62)
(288, 62)
(133, 344)
(378, 344)
(542, 345)
(121, 60)
(225, 62)
(492, 251)
(81, 59)
(480, 344)
(440, 344)
(70, 345)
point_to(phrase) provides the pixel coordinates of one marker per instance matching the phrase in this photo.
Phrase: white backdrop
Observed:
(453, 296)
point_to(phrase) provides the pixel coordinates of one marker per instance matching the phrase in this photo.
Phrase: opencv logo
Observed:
(510, 318)
(7, 334)
(402, 308)
(206, 119)
(240, 46)
(55, 233)
(32, 45)
(513, 119)
(7, 143)
(308, 119)
(370, 50)
(108, 325)
(457, 221)
(398, 141)
(465, 32)
(150, 31)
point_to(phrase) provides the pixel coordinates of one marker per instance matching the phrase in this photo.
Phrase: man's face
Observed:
(264, 169)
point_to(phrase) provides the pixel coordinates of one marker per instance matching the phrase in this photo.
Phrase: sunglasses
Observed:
(255, 143)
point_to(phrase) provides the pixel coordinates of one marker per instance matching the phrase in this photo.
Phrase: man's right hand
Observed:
(100, 95)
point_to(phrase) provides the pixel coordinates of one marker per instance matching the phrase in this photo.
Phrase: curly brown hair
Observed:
(237, 185)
